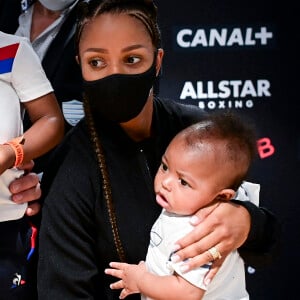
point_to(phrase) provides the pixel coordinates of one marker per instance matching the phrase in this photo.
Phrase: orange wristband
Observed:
(17, 145)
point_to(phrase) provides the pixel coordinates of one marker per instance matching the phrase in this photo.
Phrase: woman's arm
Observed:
(263, 243)
(67, 266)
(232, 225)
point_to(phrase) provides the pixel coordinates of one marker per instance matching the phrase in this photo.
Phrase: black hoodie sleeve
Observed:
(263, 244)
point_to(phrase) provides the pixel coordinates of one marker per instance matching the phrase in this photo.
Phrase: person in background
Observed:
(50, 27)
(9, 13)
(23, 84)
(66, 80)
(98, 198)
(203, 166)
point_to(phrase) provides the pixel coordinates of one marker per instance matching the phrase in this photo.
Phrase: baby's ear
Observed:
(225, 195)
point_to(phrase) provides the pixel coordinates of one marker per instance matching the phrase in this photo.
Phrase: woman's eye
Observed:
(133, 60)
(96, 62)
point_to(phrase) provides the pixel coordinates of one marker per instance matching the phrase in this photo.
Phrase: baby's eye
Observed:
(164, 166)
(183, 182)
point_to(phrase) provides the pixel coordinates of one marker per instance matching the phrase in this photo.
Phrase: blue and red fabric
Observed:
(7, 56)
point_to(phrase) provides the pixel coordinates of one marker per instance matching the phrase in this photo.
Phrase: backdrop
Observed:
(242, 55)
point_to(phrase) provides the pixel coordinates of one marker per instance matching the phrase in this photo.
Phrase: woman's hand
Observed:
(224, 227)
(27, 189)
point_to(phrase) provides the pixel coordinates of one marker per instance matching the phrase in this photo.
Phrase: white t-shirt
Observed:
(229, 283)
(22, 79)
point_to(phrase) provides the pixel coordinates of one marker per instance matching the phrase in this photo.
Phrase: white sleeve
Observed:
(248, 191)
(28, 76)
(195, 276)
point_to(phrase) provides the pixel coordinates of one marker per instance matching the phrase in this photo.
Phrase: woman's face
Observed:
(115, 44)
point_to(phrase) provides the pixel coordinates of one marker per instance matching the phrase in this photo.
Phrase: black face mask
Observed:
(119, 97)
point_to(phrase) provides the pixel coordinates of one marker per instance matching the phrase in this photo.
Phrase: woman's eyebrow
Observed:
(94, 49)
(133, 47)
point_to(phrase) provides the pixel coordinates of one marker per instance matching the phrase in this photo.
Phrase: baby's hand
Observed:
(129, 275)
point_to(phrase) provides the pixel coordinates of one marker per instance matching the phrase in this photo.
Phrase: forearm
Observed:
(47, 128)
(263, 243)
(169, 287)
(45, 134)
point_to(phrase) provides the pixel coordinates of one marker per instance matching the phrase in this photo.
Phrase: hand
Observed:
(129, 274)
(224, 227)
(27, 189)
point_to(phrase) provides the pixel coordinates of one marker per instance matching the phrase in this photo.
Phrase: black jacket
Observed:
(76, 240)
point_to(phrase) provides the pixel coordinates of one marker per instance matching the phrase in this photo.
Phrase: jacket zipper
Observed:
(146, 169)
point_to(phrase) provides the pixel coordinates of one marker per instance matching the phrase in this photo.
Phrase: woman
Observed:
(99, 203)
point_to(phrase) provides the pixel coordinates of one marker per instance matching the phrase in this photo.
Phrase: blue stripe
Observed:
(6, 65)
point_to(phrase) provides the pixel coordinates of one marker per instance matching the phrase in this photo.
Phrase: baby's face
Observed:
(188, 177)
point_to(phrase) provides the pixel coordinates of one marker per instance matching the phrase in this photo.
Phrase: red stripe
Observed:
(33, 236)
(9, 51)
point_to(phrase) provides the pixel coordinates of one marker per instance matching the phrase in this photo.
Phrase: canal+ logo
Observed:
(202, 38)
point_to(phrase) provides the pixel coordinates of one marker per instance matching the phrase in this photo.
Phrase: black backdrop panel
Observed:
(242, 55)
